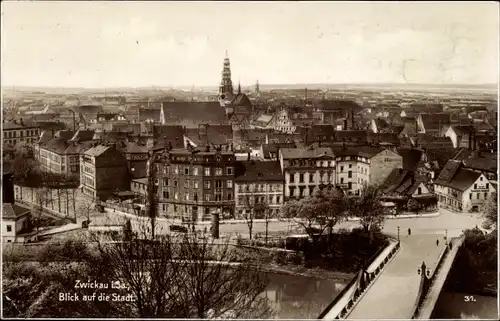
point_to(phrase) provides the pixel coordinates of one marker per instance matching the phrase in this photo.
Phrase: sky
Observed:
(133, 44)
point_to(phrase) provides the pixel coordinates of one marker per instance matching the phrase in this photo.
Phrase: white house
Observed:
(461, 189)
(15, 218)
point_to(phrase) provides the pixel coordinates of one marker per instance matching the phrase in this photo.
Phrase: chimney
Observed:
(248, 156)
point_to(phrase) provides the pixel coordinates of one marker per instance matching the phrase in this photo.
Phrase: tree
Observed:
(183, 277)
(413, 205)
(86, 208)
(368, 207)
(37, 209)
(256, 207)
(127, 231)
(324, 210)
(491, 209)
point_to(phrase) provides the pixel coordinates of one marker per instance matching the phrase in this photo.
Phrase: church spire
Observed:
(239, 87)
(226, 85)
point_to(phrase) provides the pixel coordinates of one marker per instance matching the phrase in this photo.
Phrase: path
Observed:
(393, 294)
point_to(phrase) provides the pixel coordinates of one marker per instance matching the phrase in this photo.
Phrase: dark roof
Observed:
(210, 135)
(149, 113)
(83, 135)
(351, 135)
(242, 100)
(461, 180)
(426, 108)
(411, 157)
(13, 211)
(65, 134)
(381, 123)
(363, 151)
(434, 121)
(255, 171)
(391, 138)
(134, 148)
(449, 171)
(267, 149)
(191, 114)
(330, 105)
(462, 130)
(87, 109)
(10, 125)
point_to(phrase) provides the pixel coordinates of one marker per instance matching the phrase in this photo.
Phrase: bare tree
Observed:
(86, 208)
(38, 208)
(316, 213)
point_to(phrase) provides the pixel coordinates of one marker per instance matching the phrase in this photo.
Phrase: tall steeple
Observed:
(226, 85)
(239, 87)
(257, 87)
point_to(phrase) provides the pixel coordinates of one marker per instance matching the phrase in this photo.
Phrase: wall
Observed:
(382, 164)
(480, 201)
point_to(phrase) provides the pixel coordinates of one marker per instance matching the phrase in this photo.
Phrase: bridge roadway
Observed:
(394, 292)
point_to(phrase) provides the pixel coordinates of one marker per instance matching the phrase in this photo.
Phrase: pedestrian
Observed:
(409, 231)
(437, 242)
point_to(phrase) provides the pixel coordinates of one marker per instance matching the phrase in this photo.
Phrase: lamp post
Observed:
(446, 237)
(398, 232)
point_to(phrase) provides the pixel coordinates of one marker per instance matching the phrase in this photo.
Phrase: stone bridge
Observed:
(402, 282)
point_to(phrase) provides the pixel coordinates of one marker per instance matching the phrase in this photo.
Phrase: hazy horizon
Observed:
(167, 44)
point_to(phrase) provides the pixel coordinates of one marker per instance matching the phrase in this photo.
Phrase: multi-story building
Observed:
(18, 132)
(195, 184)
(307, 170)
(258, 182)
(15, 219)
(361, 166)
(461, 189)
(103, 171)
(61, 153)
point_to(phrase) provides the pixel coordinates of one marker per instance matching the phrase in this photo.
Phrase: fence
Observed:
(351, 294)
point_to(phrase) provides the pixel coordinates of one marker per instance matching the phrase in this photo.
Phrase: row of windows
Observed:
(478, 196)
(252, 200)
(176, 169)
(13, 134)
(309, 177)
(194, 197)
(194, 184)
(312, 163)
(242, 188)
(14, 141)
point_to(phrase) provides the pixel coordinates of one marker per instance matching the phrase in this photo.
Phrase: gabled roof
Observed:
(82, 135)
(190, 114)
(449, 171)
(411, 157)
(267, 149)
(462, 130)
(351, 136)
(13, 211)
(258, 171)
(134, 148)
(435, 120)
(96, 150)
(461, 180)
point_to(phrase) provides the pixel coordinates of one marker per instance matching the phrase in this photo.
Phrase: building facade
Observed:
(307, 170)
(258, 184)
(18, 132)
(192, 185)
(103, 171)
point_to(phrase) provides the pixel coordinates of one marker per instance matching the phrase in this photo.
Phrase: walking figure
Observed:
(409, 231)
(437, 242)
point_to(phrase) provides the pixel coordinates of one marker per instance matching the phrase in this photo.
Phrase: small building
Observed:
(16, 132)
(462, 190)
(15, 220)
(258, 184)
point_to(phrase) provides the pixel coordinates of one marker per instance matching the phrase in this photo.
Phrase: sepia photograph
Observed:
(249, 160)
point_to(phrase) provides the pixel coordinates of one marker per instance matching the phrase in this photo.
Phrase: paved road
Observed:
(396, 288)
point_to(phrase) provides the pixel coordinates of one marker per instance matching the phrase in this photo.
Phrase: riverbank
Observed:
(300, 270)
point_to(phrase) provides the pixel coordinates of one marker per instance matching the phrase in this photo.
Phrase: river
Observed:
(300, 297)
(452, 305)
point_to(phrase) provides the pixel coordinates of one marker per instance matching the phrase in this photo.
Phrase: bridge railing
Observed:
(427, 281)
(350, 295)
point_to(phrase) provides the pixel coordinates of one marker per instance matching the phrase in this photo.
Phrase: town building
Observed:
(16, 132)
(462, 190)
(15, 220)
(307, 170)
(462, 136)
(103, 171)
(195, 184)
(258, 183)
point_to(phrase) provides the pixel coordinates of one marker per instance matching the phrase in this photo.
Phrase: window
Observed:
(301, 178)
(218, 197)
(229, 196)
(208, 197)
(176, 169)
(176, 196)
(195, 197)
(186, 183)
(292, 178)
(229, 184)
(349, 174)
(419, 190)
(207, 171)
(278, 199)
(470, 196)
(218, 184)
(341, 168)
(195, 184)
(341, 180)
(481, 178)
(229, 171)
(186, 170)
(207, 184)
(350, 165)
(349, 185)
(187, 196)
(9, 228)
(487, 186)
(218, 171)
(475, 186)
(166, 195)
(176, 184)
(165, 182)
(195, 171)
(485, 195)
